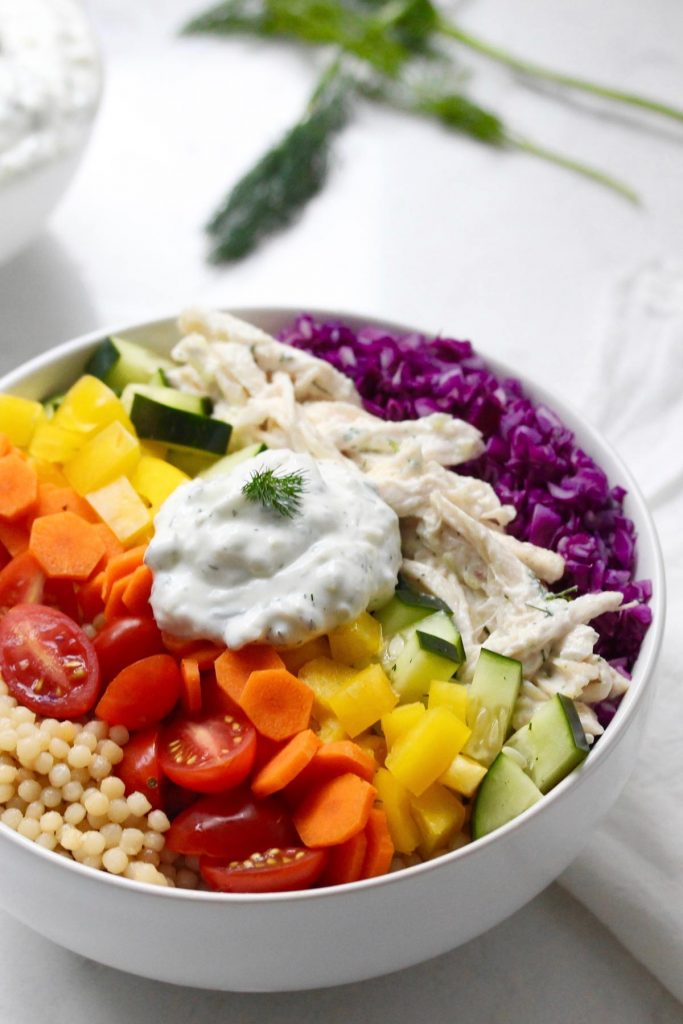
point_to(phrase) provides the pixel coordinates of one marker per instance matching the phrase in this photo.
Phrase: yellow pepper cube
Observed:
(48, 473)
(439, 816)
(296, 657)
(463, 775)
(155, 479)
(324, 677)
(423, 753)
(330, 730)
(402, 718)
(450, 695)
(373, 745)
(53, 444)
(355, 643)
(396, 802)
(362, 701)
(19, 418)
(90, 406)
(120, 506)
(110, 454)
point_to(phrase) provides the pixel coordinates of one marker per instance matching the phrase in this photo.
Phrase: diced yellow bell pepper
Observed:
(355, 643)
(450, 695)
(111, 453)
(423, 753)
(19, 418)
(53, 444)
(324, 677)
(402, 718)
(48, 473)
(439, 815)
(395, 799)
(90, 406)
(362, 701)
(155, 479)
(373, 745)
(155, 449)
(296, 657)
(463, 775)
(330, 730)
(120, 506)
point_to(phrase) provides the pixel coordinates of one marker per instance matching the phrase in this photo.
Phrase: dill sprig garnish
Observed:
(282, 494)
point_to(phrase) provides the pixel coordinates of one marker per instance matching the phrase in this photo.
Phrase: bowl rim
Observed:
(634, 696)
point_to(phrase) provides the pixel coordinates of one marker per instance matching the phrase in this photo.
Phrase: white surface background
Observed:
(416, 225)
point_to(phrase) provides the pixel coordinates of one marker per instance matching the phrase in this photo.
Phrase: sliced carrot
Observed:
(15, 536)
(89, 597)
(112, 545)
(18, 486)
(5, 445)
(233, 668)
(62, 499)
(206, 654)
(334, 811)
(65, 546)
(120, 566)
(114, 608)
(191, 690)
(345, 862)
(380, 848)
(286, 765)
(334, 758)
(278, 704)
(139, 587)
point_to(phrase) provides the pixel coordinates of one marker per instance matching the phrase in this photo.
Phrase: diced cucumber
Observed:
(119, 362)
(178, 428)
(51, 404)
(505, 792)
(198, 404)
(491, 699)
(407, 607)
(191, 462)
(159, 379)
(553, 743)
(228, 462)
(419, 655)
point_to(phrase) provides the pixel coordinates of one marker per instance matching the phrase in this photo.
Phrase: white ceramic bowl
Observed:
(351, 932)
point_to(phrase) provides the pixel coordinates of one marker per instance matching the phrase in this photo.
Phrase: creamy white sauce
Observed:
(49, 81)
(228, 569)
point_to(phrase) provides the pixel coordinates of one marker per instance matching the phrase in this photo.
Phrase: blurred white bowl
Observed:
(351, 932)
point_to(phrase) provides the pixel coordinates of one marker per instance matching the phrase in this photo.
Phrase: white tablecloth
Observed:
(427, 228)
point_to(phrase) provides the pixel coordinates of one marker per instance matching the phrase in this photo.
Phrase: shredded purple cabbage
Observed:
(564, 501)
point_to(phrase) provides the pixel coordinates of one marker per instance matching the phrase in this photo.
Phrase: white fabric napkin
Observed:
(631, 873)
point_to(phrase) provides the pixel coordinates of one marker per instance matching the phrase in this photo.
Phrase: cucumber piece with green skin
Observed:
(228, 462)
(432, 651)
(407, 607)
(51, 404)
(505, 792)
(490, 703)
(119, 362)
(553, 743)
(178, 428)
(191, 462)
(200, 405)
(159, 379)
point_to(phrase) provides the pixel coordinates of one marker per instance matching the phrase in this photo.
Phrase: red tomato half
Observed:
(276, 870)
(140, 769)
(124, 641)
(21, 582)
(207, 754)
(231, 825)
(142, 693)
(48, 662)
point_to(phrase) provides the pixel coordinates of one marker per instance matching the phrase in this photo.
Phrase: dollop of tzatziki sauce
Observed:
(50, 81)
(230, 569)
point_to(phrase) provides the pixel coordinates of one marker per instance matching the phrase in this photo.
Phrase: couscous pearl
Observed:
(25, 729)
(118, 810)
(81, 775)
(43, 763)
(131, 841)
(112, 751)
(16, 801)
(48, 840)
(51, 821)
(50, 726)
(36, 809)
(8, 774)
(29, 827)
(96, 802)
(150, 857)
(168, 871)
(113, 787)
(138, 804)
(80, 756)
(153, 841)
(6, 792)
(72, 791)
(97, 728)
(8, 740)
(70, 837)
(158, 822)
(22, 714)
(29, 789)
(11, 817)
(28, 749)
(96, 821)
(92, 861)
(186, 879)
(167, 856)
(51, 797)
(60, 775)
(86, 739)
(111, 833)
(119, 734)
(66, 731)
(74, 814)
(100, 767)
(93, 844)
(115, 860)
(59, 748)
(192, 863)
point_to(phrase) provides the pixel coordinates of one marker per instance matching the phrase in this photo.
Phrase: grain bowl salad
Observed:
(278, 614)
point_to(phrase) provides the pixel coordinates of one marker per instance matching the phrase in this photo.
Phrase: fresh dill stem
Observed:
(533, 70)
(281, 494)
(562, 595)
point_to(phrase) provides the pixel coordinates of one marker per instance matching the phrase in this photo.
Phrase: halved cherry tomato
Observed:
(21, 582)
(231, 825)
(61, 594)
(142, 693)
(48, 662)
(208, 754)
(140, 769)
(124, 641)
(274, 870)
